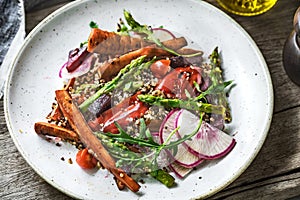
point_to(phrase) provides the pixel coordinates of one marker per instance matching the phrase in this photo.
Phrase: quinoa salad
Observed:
(139, 102)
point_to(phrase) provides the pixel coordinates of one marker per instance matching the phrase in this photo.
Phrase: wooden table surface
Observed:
(275, 172)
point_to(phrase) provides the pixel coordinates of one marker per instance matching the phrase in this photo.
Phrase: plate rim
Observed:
(70, 5)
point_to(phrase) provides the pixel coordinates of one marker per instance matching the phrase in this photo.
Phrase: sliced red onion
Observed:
(60, 73)
(209, 142)
(76, 58)
(83, 68)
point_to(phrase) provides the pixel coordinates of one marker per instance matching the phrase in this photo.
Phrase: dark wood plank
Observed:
(282, 187)
(18, 180)
(276, 165)
(38, 13)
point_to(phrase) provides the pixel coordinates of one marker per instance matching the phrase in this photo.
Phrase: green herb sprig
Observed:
(122, 136)
(213, 89)
(115, 143)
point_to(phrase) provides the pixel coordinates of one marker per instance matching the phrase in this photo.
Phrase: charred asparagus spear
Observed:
(185, 104)
(111, 85)
(217, 79)
(120, 151)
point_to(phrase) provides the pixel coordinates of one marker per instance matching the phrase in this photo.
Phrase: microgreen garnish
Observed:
(93, 24)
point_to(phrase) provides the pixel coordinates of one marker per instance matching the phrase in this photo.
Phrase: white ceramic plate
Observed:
(34, 78)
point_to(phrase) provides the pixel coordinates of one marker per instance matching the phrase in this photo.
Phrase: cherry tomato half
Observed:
(85, 160)
(160, 68)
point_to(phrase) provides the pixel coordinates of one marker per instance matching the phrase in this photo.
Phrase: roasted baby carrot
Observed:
(78, 123)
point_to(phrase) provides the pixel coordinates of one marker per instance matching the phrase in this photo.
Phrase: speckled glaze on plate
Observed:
(34, 78)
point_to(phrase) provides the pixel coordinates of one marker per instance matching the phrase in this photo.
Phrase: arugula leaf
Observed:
(213, 89)
(93, 24)
(122, 136)
(142, 160)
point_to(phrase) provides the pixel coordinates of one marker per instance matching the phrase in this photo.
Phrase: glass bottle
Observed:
(291, 51)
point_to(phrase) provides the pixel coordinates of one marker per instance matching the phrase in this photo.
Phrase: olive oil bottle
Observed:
(247, 7)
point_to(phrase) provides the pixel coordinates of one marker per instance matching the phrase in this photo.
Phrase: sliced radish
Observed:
(185, 158)
(179, 170)
(209, 142)
(167, 126)
(159, 33)
(181, 156)
(163, 34)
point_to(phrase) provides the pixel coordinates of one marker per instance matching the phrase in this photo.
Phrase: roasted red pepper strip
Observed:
(160, 68)
(177, 82)
(123, 113)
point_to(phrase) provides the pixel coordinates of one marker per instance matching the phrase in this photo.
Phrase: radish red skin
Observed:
(189, 157)
(207, 135)
(180, 171)
(186, 158)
